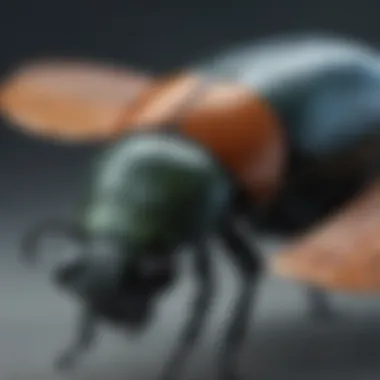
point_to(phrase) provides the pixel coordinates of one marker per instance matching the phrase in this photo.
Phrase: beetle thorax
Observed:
(152, 188)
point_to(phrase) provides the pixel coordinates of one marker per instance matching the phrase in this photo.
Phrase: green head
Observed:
(153, 189)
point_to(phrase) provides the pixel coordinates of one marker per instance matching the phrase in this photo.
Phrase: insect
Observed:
(277, 135)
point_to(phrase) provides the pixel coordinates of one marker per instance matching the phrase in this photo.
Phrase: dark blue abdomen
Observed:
(326, 90)
(327, 94)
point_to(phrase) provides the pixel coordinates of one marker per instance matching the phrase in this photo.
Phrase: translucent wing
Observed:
(71, 100)
(343, 253)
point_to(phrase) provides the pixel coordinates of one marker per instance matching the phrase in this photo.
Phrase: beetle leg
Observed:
(319, 305)
(82, 342)
(248, 262)
(197, 319)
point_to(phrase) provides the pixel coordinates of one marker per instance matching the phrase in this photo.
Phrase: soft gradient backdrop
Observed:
(39, 179)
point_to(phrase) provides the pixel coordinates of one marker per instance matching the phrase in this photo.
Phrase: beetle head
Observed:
(101, 273)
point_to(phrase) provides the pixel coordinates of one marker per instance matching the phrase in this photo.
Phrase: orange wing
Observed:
(342, 254)
(84, 102)
(76, 101)
(71, 100)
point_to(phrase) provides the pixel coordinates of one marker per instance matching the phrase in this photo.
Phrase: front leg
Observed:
(82, 341)
(197, 319)
(248, 262)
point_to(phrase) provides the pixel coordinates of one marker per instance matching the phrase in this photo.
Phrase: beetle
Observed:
(277, 135)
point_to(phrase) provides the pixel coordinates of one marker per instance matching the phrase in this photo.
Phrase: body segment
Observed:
(326, 94)
(155, 191)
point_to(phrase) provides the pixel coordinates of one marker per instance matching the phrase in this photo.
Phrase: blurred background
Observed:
(40, 179)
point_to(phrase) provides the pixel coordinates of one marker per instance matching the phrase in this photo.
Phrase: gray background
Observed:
(39, 179)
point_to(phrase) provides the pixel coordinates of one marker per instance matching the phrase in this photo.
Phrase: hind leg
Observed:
(318, 302)
(319, 305)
